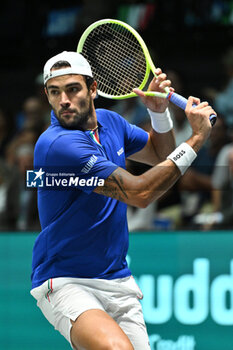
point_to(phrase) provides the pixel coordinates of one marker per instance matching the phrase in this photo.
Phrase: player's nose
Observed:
(64, 99)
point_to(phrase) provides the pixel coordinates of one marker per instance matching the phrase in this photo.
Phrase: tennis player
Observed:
(80, 276)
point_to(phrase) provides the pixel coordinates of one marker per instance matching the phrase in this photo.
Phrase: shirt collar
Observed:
(54, 120)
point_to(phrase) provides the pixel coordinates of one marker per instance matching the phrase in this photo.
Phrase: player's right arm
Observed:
(141, 190)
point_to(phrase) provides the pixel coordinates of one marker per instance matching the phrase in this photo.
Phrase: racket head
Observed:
(118, 56)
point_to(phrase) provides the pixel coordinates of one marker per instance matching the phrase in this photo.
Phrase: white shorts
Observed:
(64, 299)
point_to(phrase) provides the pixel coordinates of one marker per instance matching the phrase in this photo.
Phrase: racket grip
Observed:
(181, 102)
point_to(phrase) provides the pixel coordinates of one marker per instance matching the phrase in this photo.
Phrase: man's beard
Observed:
(80, 119)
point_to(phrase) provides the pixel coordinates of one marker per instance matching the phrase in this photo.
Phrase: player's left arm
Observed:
(158, 147)
(160, 144)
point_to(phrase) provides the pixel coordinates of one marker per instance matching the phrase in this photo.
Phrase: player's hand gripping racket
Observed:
(120, 61)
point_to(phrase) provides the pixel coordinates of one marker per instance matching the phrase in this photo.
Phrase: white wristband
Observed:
(161, 122)
(183, 156)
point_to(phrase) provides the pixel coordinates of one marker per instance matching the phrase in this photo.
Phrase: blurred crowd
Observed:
(18, 205)
(202, 198)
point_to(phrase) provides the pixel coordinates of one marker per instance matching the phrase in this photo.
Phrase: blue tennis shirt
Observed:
(84, 234)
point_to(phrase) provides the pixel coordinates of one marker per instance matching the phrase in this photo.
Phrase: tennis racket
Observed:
(120, 61)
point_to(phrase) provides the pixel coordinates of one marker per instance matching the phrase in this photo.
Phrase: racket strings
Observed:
(116, 58)
(126, 39)
(115, 66)
(115, 63)
(118, 69)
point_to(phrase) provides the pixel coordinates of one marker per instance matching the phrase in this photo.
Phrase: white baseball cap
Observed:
(78, 65)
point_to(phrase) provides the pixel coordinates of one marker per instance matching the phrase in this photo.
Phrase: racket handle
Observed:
(181, 102)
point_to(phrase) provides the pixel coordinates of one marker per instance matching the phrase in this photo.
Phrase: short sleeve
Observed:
(135, 138)
(76, 157)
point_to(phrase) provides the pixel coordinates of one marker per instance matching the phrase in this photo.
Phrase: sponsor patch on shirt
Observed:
(89, 164)
(121, 150)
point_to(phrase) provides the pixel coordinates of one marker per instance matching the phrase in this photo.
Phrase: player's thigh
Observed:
(96, 330)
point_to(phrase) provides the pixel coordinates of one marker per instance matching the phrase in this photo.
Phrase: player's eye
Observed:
(54, 92)
(74, 89)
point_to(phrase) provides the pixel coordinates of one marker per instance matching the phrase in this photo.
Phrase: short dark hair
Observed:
(62, 64)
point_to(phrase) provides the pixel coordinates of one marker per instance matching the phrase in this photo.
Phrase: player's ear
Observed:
(93, 89)
(46, 93)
